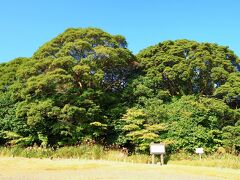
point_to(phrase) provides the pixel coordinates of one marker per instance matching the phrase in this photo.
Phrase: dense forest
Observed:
(86, 86)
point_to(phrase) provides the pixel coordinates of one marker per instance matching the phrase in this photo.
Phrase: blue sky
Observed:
(27, 24)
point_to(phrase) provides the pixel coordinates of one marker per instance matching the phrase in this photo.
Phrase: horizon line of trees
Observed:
(85, 85)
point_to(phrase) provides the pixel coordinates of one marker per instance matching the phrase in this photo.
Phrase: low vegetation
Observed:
(97, 152)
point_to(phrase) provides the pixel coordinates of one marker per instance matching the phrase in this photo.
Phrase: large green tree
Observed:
(186, 77)
(184, 67)
(86, 85)
(64, 92)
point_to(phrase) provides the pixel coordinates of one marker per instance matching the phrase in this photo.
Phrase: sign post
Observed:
(157, 148)
(153, 159)
(200, 152)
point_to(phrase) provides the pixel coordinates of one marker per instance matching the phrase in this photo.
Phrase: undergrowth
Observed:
(97, 152)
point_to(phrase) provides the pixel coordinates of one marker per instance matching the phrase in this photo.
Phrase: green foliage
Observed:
(142, 128)
(185, 123)
(86, 85)
(185, 67)
(196, 122)
(231, 138)
(176, 87)
(62, 94)
(230, 91)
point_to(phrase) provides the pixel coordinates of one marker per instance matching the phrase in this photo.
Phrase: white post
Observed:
(200, 152)
(153, 159)
(162, 162)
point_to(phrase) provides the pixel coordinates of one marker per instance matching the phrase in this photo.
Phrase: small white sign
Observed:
(199, 150)
(157, 148)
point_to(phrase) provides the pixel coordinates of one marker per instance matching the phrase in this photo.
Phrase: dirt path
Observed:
(36, 169)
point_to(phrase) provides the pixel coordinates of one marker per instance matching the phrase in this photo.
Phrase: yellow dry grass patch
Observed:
(24, 168)
(33, 164)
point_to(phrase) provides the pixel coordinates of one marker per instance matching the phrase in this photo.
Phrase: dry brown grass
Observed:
(26, 169)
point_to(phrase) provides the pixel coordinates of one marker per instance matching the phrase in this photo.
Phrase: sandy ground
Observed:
(71, 169)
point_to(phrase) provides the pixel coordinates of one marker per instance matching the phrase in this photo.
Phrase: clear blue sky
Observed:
(27, 24)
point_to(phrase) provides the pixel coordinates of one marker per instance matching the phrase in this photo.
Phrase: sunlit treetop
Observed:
(188, 67)
(79, 43)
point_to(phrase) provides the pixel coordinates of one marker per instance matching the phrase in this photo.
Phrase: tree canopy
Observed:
(184, 67)
(85, 85)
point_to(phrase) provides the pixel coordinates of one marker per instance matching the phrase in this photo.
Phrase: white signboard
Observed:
(157, 148)
(199, 150)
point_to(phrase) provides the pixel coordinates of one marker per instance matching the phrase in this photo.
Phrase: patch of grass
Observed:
(139, 158)
(30, 152)
(82, 152)
(214, 160)
(97, 152)
(119, 156)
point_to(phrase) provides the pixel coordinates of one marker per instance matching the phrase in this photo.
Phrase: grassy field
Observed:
(96, 152)
(32, 168)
